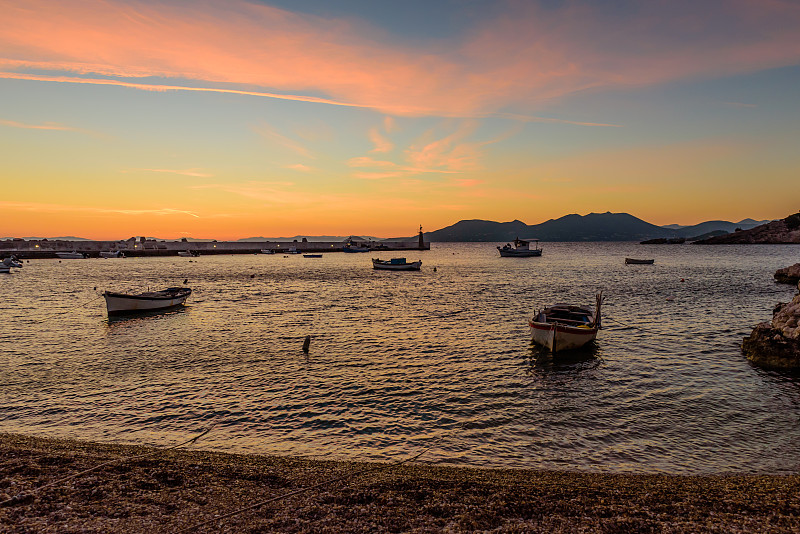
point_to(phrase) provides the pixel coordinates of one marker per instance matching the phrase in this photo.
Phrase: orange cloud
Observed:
(509, 65)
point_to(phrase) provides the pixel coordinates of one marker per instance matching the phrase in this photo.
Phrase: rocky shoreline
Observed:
(777, 344)
(140, 489)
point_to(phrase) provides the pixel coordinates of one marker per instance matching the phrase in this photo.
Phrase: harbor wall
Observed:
(150, 247)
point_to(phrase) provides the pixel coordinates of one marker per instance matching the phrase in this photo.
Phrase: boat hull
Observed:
(558, 337)
(386, 266)
(520, 253)
(119, 303)
(70, 255)
(632, 261)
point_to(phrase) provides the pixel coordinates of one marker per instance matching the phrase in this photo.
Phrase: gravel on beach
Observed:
(142, 489)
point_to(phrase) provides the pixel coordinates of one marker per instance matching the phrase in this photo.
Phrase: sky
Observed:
(233, 119)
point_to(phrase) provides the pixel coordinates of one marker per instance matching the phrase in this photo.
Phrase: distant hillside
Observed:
(776, 232)
(65, 238)
(313, 238)
(591, 227)
(478, 230)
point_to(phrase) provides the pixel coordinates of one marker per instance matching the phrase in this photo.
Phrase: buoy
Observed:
(682, 280)
(434, 269)
(252, 276)
(306, 343)
(186, 281)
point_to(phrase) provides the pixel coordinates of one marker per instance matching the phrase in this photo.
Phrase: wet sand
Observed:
(140, 489)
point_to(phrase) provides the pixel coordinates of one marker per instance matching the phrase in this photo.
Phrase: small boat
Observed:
(267, 251)
(188, 253)
(121, 303)
(353, 247)
(8, 263)
(521, 249)
(396, 264)
(632, 261)
(112, 254)
(74, 255)
(564, 327)
(312, 255)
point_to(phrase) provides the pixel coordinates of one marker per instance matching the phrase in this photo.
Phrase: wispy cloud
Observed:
(182, 172)
(382, 145)
(45, 126)
(274, 192)
(298, 167)
(270, 134)
(510, 65)
(52, 208)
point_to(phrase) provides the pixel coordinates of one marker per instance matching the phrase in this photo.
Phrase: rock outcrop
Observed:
(788, 275)
(776, 232)
(777, 344)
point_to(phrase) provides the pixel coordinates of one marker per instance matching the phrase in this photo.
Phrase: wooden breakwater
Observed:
(45, 248)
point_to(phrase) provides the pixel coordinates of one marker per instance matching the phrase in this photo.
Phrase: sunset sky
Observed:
(230, 119)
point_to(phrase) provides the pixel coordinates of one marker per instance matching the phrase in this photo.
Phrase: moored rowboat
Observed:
(564, 327)
(121, 303)
(396, 264)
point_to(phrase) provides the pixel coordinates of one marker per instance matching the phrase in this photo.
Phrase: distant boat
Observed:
(267, 251)
(396, 264)
(8, 263)
(312, 255)
(632, 261)
(74, 255)
(521, 249)
(565, 327)
(188, 253)
(292, 250)
(112, 254)
(121, 303)
(353, 247)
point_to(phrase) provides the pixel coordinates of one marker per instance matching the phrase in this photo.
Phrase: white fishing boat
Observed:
(396, 264)
(7, 264)
(267, 251)
(563, 327)
(74, 255)
(520, 249)
(112, 254)
(188, 253)
(121, 303)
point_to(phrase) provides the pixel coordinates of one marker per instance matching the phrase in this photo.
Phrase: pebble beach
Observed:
(54, 485)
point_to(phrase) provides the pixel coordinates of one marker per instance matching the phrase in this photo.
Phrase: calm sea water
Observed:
(401, 360)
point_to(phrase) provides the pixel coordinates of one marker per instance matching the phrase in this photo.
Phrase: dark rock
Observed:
(788, 275)
(768, 347)
(777, 344)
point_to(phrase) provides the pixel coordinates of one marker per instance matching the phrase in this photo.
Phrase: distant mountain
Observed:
(591, 227)
(65, 238)
(312, 238)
